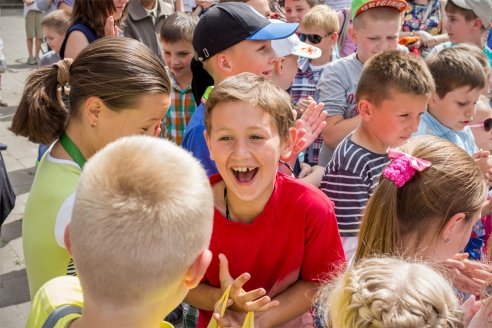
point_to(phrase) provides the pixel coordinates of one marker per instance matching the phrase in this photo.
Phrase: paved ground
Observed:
(19, 159)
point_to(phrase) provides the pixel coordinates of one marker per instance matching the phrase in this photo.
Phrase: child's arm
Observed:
(337, 128)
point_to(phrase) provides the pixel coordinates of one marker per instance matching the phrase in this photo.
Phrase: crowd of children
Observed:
(332, 179)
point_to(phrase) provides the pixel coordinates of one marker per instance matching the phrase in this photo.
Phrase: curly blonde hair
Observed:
(390, 292)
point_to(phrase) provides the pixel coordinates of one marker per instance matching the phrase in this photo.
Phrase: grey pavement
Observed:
(19, 158)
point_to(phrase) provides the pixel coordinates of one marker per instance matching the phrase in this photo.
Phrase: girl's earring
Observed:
(93, 124)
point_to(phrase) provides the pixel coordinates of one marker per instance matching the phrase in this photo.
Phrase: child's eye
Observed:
(404, 115)
(462, 104)
(262, 48)
(256, 137)
(145, 129)
(225, 138)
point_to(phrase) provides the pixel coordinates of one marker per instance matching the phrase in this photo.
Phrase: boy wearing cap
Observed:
(229, 39)
(468, 21)
(376, 27)
(318, 27)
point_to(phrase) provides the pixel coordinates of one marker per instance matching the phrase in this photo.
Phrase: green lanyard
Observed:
(72, 150)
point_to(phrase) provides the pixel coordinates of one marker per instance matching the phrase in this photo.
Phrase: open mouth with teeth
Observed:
(244, 174)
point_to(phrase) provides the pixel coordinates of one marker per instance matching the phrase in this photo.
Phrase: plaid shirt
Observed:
(304, 86)
(179, 114)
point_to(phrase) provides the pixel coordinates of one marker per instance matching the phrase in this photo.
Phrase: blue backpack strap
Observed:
(59, 313)
(89, 33)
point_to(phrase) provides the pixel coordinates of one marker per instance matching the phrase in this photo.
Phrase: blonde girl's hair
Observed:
(452, 184)
(117, 70)
(391, 292)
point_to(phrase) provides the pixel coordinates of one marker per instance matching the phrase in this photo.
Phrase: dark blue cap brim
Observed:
(274, 32)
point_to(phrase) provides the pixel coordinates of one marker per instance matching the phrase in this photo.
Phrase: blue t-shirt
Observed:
(194, 140)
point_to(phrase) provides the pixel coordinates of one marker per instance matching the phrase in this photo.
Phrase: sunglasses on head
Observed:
(487, 125)
(313, 38)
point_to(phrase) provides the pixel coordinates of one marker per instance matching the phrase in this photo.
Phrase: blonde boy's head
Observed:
(255, 90)
(58, 20)
(179, 27)
(367, 18)
(453, 68)
(142, 216)
(321, 16)
(393, 72)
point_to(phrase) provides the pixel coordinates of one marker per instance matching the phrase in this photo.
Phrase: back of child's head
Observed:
(479, 55)
(117, 70)
(366, 12)
(59, 20)
(421, 207)
(143, 213)
(94, 14)
(393, 72)
(454, 68)
(179, 27)
(471, 10)
(321, 16)
(390, 292)
(257, 91)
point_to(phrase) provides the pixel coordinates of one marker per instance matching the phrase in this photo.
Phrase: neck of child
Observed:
(246, 211)
(148, 4)
(80, 136)
(104, 315)
(323, 59)
(366, 139)
(184, 81)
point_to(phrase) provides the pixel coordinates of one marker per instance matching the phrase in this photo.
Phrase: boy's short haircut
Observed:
(179, 27)
(478, 54)
(471, 10)
(257, 91)
(391, 72)
(143, 213)
(321, 16)
(368, 17)
(454, 68)
(361, 6)
(58, 20)
(311, 3)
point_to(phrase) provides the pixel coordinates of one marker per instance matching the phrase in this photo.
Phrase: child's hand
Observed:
(477, 313)
(110, 29)
(231, 318)
(467, 276)
(303, 104)
(484, 161)
(254, 300)
(306, 170)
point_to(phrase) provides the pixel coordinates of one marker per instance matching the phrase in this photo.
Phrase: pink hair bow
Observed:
(403, 167)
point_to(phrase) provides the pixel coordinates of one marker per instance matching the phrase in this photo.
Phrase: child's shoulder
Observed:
(49, 58)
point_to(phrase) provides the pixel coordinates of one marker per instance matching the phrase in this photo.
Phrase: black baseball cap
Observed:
(229, 23)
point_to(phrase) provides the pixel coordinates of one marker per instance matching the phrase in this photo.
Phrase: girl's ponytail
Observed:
(41, 115)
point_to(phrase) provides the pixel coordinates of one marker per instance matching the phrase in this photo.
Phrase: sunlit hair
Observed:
(117, 70)
(453, 68)
(59, 20)
(391, 72)
(390, 292)
(422, 207)
(143, 213)
(257, 91)
(94, 13)
(179, 27)
(321, 16)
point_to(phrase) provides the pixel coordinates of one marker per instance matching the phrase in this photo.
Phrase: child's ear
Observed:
(334, 38)
(452, 229)
(197, 270)
(352, 34)
(224, 64)
(66, 239)
(365, 110)
(93, 108)
(279, 65)
(477, 24)
(289, 142)
(207, 140)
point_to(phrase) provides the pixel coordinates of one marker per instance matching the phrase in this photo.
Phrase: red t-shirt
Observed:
(295, 237)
